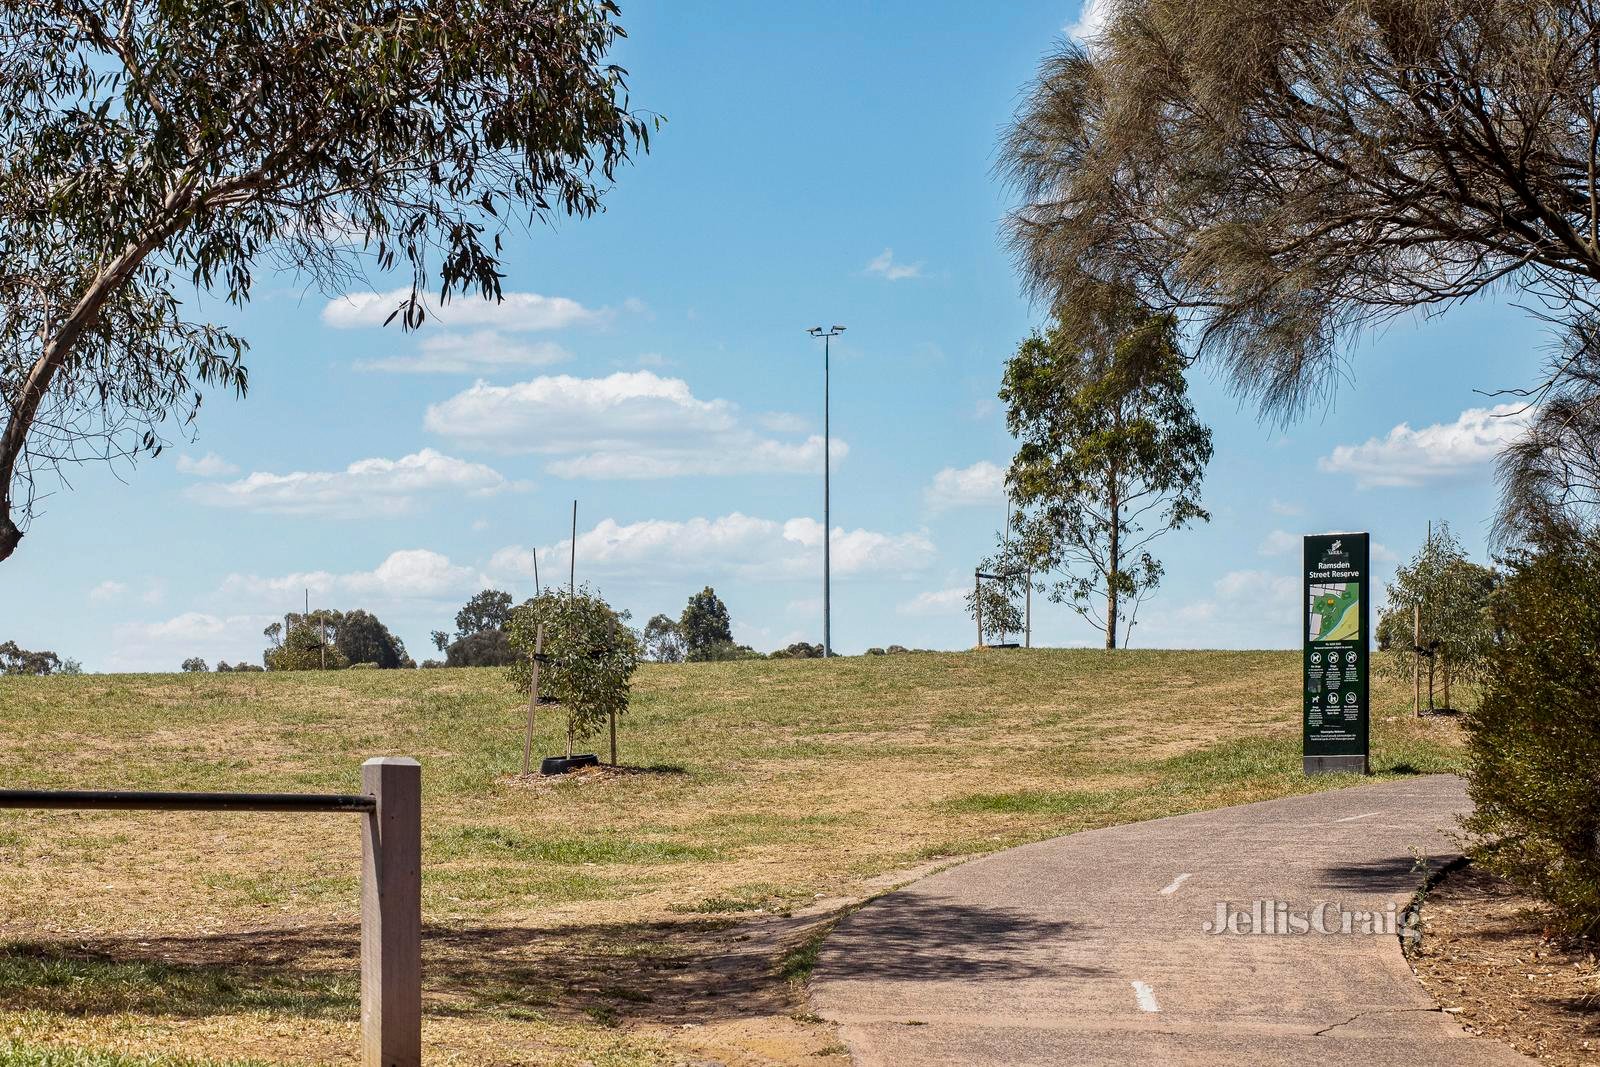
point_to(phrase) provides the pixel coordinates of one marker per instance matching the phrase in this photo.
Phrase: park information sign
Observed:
(1337, 592)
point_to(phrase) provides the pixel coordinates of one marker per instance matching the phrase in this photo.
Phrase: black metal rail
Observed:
(125, 800)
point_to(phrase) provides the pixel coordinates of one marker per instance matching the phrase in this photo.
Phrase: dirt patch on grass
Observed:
(1485, 957)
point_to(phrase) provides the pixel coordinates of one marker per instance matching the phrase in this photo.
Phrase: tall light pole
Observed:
(827, 518)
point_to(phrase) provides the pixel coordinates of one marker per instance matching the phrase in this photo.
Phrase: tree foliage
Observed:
(706, 625)
(362, 638)
(487, 648)
(1286, 175)
(663, 640)
(1002, 614)
(1452, 593)
(333, 639)
(196, 665)
(307, 645)
(1550, 473)
(15, 659)
(488, 610)
(590, 656)
(1535, 740)
(153, 150)
(1110, 457)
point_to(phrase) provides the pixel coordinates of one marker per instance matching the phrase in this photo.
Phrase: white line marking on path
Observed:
(1353, 818)
(1146, 995)
(1176, 882)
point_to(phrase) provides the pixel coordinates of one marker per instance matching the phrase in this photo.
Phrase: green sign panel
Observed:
(1338, 589)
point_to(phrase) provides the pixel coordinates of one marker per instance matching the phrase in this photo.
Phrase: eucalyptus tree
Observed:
(1110, 456)
(152, 153)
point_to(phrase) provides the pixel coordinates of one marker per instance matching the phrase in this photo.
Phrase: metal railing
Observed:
(391, 882)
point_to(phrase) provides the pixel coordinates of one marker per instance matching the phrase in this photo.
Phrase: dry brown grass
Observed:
(613, 918)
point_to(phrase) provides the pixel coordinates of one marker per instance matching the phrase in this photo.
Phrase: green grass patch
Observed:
(24, 1054)
(1032, 802)
(471, 842)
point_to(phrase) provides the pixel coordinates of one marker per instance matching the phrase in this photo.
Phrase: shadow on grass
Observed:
(675, 971)
(667, 972)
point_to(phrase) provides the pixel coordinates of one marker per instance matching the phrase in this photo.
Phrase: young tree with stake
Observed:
(1111, 455)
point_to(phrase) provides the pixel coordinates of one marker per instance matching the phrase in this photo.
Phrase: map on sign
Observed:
(1335, 611)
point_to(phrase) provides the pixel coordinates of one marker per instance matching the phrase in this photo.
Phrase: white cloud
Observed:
(1091, 21)
(632, 424)
(481, 351)
(1436, 453)
(885, 266)
(409, 574)
(209, 465)
(367, 487)
(1246, 609)
(738, 545)
(1290, 510)
(980, 485)
(1278, 543)
(936, 602)
(107, 590)
(518, 311)
(165, 644)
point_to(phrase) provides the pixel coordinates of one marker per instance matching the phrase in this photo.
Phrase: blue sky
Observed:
(829, 163)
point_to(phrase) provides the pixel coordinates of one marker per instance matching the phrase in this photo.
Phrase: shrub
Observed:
(721, 651)
(876, 652)
(798, 650)
(590, 656)
(1535, 740)
(487, 648)
(364, 667)
(305, 648)
(194, 665)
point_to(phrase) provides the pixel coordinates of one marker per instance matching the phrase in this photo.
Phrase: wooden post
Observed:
(533, 702)
(611, 713)
(1027, 618)
(1416, 659)
(391, 914)
(977, 602)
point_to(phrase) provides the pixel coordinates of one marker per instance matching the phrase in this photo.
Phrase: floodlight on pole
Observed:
(827, 517)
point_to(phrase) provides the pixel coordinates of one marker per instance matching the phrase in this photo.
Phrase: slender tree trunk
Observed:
(1114, 514)
(1114, 511)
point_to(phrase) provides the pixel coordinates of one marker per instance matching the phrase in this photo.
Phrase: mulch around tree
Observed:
(1487, 958)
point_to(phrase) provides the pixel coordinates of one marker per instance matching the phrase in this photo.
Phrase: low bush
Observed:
(1535, 740)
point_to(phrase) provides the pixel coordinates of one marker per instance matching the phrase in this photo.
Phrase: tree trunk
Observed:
(1114, 511)
(56, 351)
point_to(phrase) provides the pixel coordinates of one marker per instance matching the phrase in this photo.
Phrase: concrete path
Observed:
(1092, 949)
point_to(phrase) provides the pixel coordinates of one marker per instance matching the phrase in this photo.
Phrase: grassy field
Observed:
(654, 915)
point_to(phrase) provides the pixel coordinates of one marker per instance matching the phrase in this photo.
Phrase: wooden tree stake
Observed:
(533, 702)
